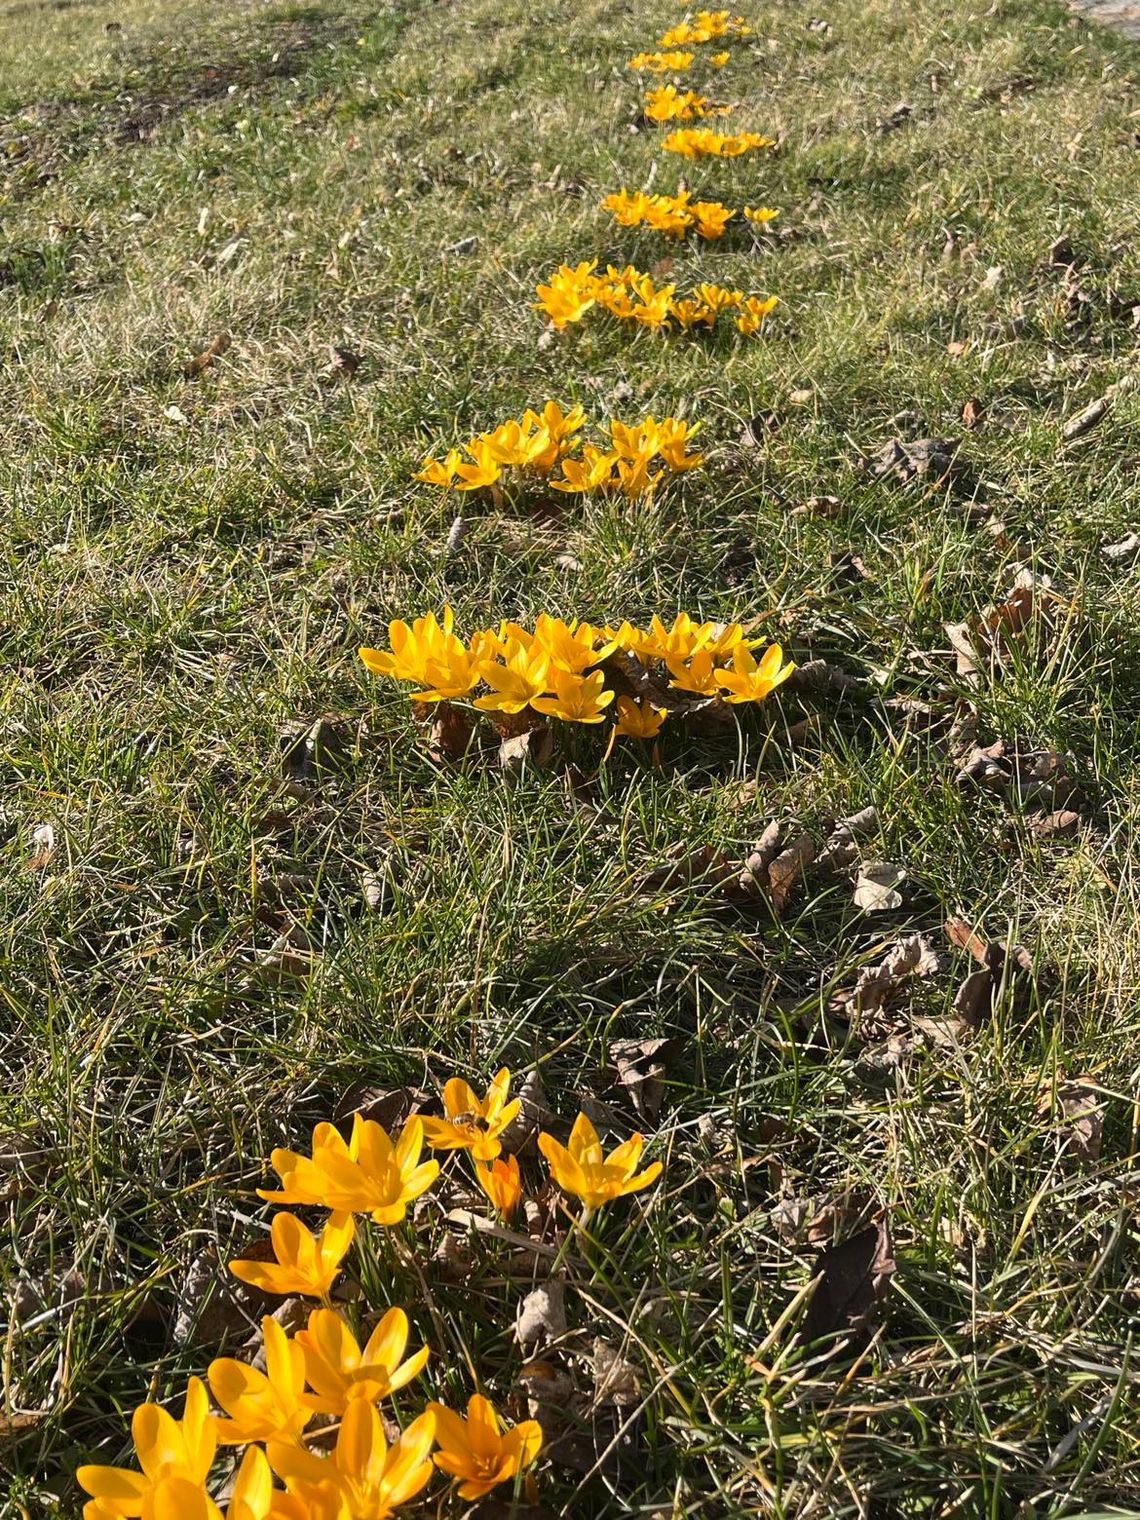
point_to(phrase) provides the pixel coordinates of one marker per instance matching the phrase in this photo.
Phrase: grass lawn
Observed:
(242, 895)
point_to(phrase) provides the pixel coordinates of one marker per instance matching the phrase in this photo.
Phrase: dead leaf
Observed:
(818, 506)
(1077, 1105)
(17, 1422)
(853, 1278)
(962, 643)
(451, 732)
(686, 869)
(213, 1306)
(1059, 825)
(1086, 420)
(534, 747)
(292, 954)
(43, 847)
(387, 1106)
(317, 750)
(455, 535)
(787, 868)
(534, 1113)
(895, 118)
(616, 1380)
(343, 363)
(1127, 549)
(840, 851)
(931, 460)
(959, 933)
(877, 985)
(640, 1066)
(998, 966)
(542, 1314)
(216, 347)
(973, 412)
(876, 886)
(759, 429)
(821, 678)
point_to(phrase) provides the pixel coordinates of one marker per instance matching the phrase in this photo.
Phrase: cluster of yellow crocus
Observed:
(677, 215)
(559, 669)
(635, 297)
(637, 459)
(671, 104)
(703, 142)
(665, 63)
(327, 1379)
(706, 26)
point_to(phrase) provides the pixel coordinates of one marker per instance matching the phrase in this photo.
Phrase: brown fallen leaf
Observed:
(1062, 824)
(216, 347)
(616, 1380)
(542, 1314)
(387, 1106)
(1076, 1105)
(640, 1067)
(973, 412)
(786, 869)
(292, 954)
(840, 851)
(853, 1279)
(450, 733)
(876, 886)
(534, 747)
(998, 966)
(686, 868)
(534, 1113)
(877, 985)
(315, 751)
(821, 678)
(343, 363)
(818, 506)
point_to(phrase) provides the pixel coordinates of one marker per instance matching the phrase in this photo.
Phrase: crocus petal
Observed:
(253, 1486)
(585, 1146)
(450, 1430)
(643, 1179)
(158, 1441)
(624, 1157)
(179, 1499)
(386, 1344)
(118, 1485)
(409, 1370)
(523, 1443)
(459, 1097)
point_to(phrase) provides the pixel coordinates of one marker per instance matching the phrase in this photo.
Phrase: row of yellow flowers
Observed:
(539, 442)
(634, 296)
(558, 669)
(322, 1381)
(678, 215)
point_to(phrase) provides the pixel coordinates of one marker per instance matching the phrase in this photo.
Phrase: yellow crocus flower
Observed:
(751, 680)
(521, 676)
(576, 699)
(752, 313)
(252, 1497)
(639, 719)
(369, 1174)
(339, 1369)
(262, 1406)
(304, 1263)
(477, 1452)
(369, 1477)
(499, 1180)
(165, 1448)
(473, 1123)
(582, 1170)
